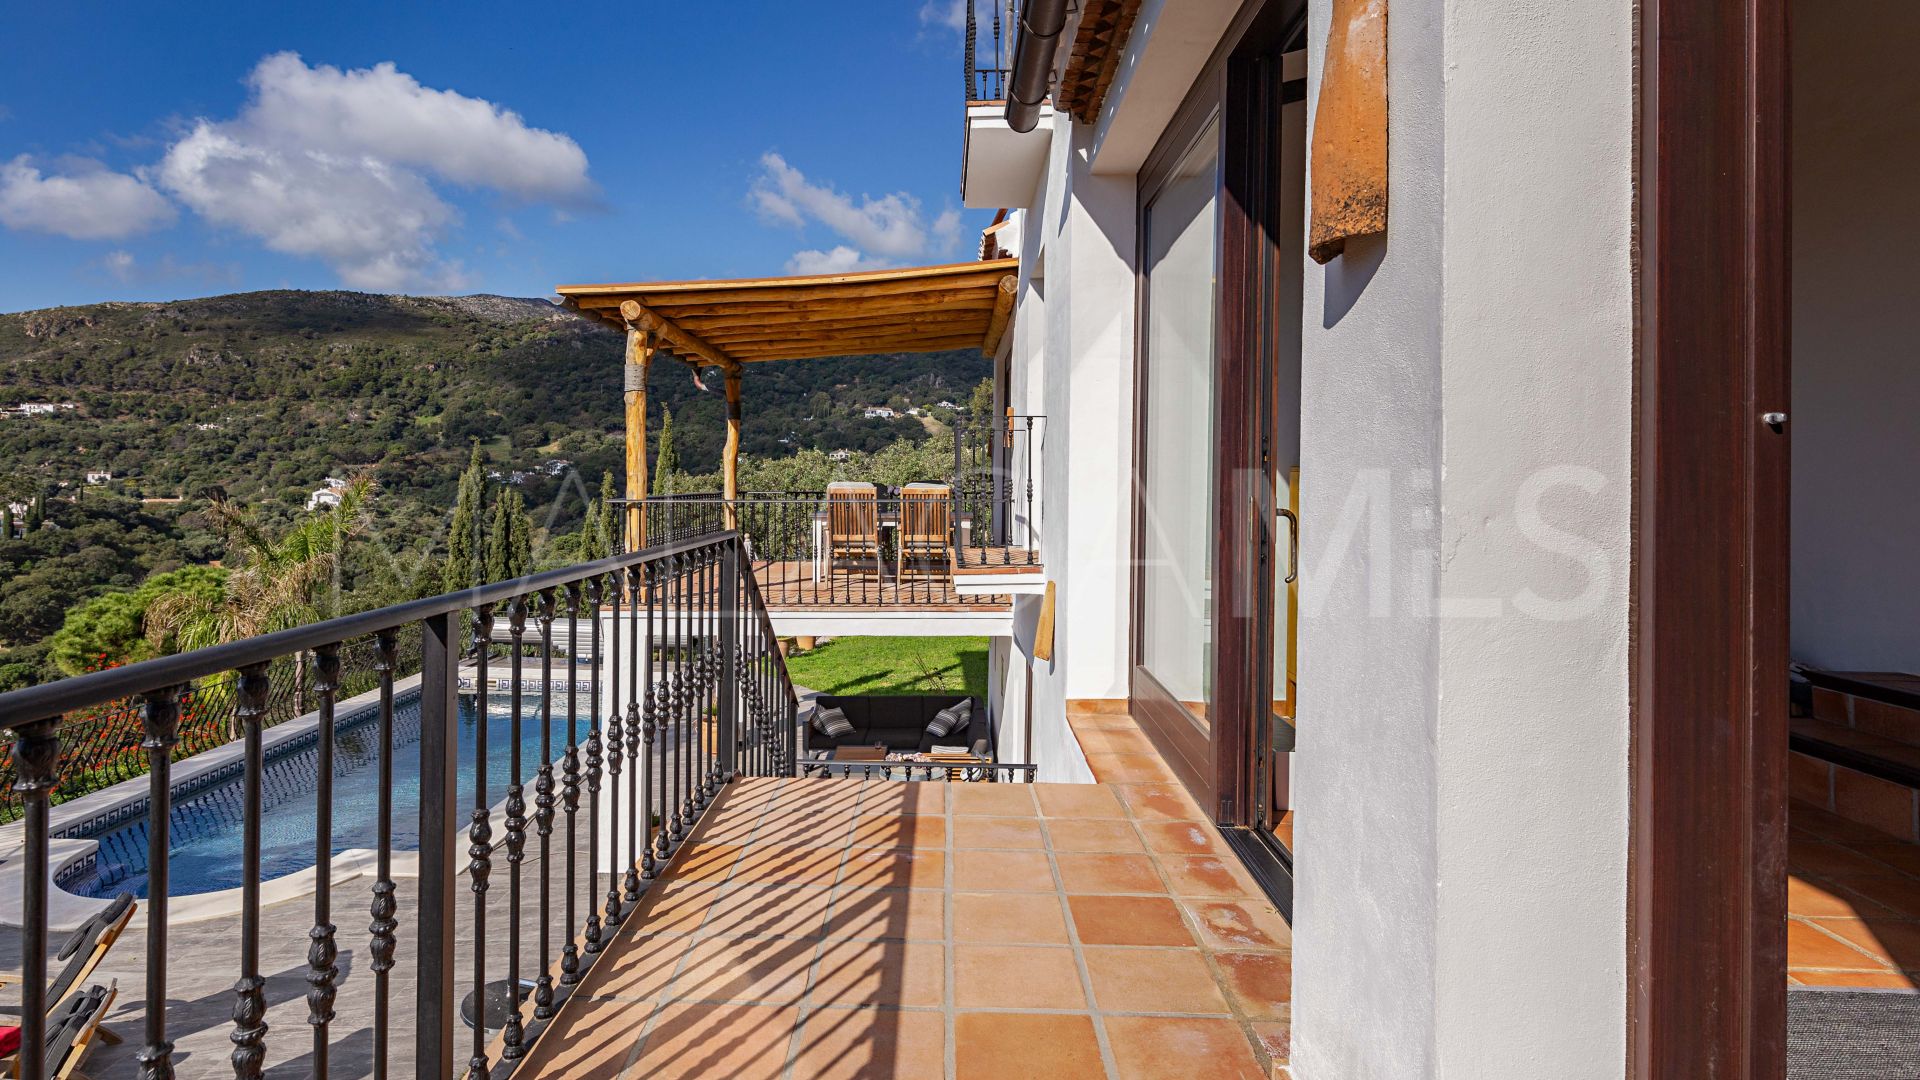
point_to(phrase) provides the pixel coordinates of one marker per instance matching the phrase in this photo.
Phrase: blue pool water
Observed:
(205, 827)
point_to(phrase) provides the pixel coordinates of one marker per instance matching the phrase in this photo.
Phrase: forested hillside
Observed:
(259, 398)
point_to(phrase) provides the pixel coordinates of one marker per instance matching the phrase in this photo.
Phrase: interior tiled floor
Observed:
(1853, 903)
(834, 928)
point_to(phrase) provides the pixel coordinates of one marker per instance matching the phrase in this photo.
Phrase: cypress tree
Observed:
(666, 459)
(463, 543)
(6, 521)
(498, 541)
(36, 511)
(601, 525)
(519, 536)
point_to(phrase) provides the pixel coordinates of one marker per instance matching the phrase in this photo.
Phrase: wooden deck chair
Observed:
(72, 1027)
(853, 528)
(83, 951)
(926, 529)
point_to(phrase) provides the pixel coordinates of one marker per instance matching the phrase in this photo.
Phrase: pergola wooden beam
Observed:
(1002, 314)
(634, 313)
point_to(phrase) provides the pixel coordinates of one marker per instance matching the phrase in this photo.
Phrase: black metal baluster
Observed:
(513, 1038)
(591, 935)
(676, 639)
(649, 719)
(382, 929)
(36, 765)
(615, 750)
(543, 803)
(480, 837)
(160, 716)
(640, 654)
(249, 1035)
(321, 950)
(570, 788)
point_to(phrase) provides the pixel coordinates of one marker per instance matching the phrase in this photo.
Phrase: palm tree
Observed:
(282, 581)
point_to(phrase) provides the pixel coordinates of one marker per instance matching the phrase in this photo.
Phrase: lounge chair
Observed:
(926, 529)
(853, 528)
(83, 951)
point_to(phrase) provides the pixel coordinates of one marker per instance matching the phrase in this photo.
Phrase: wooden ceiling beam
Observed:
(1002, 314)
(817, 328)
(812, 294)
(679, 339)
(709, 315)
(841, 347)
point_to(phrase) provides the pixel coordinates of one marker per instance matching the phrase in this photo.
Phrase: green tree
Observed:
(6, 521)
(112, 628)
(498, 560)
(601, 522)
(36, 511)
(666, 459)
(519, 536)
(462, 568)
(284, 580)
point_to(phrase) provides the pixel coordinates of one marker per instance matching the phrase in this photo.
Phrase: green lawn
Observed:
(894, 665)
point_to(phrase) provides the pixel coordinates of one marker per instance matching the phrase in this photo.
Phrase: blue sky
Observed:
(153, 151)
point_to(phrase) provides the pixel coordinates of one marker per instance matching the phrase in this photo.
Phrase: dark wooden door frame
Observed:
(1707, 865)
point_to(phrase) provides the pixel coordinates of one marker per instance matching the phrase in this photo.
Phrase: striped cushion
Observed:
(832, 723)
(950, 719)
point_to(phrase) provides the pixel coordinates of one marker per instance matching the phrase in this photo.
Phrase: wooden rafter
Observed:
(1098, 43)
(634, 313)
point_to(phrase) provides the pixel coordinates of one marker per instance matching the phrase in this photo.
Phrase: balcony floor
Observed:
(834, 928)
(1853, 904)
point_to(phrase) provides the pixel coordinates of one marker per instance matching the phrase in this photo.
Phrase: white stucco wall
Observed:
(1855, 419)
(1461, 778)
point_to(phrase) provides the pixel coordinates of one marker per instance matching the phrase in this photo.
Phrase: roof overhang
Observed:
(998, 165)
(747, 320)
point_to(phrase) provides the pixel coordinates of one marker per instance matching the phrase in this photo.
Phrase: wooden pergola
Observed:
(730, 324)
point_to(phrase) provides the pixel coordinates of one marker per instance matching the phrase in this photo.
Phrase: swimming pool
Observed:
(205, 827)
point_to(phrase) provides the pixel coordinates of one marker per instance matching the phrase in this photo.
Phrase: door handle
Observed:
(1293, 544)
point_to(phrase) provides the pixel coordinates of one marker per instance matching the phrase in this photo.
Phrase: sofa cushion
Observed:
(952, 718)
(832, 722)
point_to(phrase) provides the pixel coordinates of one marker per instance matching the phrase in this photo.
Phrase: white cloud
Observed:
(878, 231)
(89, 203)
(840, 260)
(951, 14)
(119, 264)
(336, 165)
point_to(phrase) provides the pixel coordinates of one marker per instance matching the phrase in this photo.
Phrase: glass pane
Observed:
(1177, 590)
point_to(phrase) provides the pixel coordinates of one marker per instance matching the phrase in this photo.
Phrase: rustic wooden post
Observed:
(639, 357)
(730, 463)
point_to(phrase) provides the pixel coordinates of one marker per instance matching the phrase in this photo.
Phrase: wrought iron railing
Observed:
(799, 561)
(989, 46)
(688, 690)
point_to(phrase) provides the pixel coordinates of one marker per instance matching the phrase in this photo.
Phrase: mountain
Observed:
(266, 394)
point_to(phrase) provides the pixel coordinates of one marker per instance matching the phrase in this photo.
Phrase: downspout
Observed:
(1040, 24)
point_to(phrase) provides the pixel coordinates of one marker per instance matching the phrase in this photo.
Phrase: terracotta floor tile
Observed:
(1078, 801)
(892, 868)
(1261, 983)
(1831, 860)
(678, 907)
(1015, 977)
(740, 1042)
(593, 1042)
(1153, 980)
(1128, 920)
(1896, 942)
(1109, 874)
(1003, 1046)
(1183, 838)
(1864, 980)
(998, 832)
(771, 970)
(1207, 875)
(767, 911)
(1002, 871)
(906, 973)
(823, 832)
(1130, 769)
(1115, 740)
(900, 830)
(1274, 1038)
(1093, 834)
(995, 800)
(911, 797)
(1808, 947)
(1239, 924)
(1009, 918)
(1900, 897)
(635, 967)
(871, 1044)
(775, 865)
(1806, 897)
(705, 862)
(1179, 1048)
(918, 914)
(1158, 802)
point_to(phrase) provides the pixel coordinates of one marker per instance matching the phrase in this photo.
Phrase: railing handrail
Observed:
(63, 696)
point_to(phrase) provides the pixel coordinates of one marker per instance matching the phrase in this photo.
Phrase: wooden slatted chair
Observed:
(853, 529)
(926, 529)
